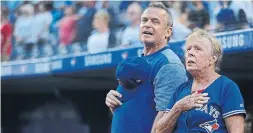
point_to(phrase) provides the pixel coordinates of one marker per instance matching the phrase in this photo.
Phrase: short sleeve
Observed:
(232, 102)
(167, 80)
(172, 101)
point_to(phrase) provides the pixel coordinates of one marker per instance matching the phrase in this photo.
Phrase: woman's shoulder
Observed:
(184, 85)
(226, 82)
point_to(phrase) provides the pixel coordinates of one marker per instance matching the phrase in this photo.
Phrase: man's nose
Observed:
(147, 24)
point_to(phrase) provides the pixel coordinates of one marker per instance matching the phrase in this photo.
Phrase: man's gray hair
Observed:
(162, 6)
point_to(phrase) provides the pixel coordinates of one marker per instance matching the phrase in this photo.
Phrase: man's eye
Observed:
(144, 20)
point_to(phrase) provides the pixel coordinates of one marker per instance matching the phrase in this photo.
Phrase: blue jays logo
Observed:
(210, 126)
(124, 55)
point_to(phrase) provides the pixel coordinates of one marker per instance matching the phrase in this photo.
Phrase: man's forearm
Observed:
(167, 123)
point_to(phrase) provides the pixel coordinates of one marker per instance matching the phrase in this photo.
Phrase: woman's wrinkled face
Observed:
(198, 54)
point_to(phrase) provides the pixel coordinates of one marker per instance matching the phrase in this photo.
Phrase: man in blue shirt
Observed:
(167, 71)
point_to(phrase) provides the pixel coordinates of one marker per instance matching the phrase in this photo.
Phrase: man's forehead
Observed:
(153, 12)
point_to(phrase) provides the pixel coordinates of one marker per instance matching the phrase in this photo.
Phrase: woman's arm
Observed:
(235, 124)
(167, 122)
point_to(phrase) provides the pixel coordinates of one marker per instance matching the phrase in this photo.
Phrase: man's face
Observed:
(153, 27)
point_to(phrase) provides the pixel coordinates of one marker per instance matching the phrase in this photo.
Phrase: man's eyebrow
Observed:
(155, 19)
(151, 18)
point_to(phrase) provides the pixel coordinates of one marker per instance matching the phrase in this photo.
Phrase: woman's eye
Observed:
(155, 22)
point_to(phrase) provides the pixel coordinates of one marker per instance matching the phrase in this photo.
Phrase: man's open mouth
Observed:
(147, 33)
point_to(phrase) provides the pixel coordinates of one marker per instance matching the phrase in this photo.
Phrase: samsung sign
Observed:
(232, 41)
(99, 59)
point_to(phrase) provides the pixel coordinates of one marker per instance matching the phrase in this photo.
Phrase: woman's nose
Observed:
(190, 52)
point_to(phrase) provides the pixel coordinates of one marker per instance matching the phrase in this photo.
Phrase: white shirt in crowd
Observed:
(98, 42)
(130, 35)
(180, 31)
(24, 28)
(42, 20)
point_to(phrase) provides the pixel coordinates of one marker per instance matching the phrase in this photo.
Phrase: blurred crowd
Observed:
(32, 29)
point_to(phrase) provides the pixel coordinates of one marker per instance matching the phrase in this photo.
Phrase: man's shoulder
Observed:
(170, 57)
(166, 57)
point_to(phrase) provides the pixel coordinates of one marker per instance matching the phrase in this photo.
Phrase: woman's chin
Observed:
(191, 70)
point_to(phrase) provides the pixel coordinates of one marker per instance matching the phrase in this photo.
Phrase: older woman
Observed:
(209, 102)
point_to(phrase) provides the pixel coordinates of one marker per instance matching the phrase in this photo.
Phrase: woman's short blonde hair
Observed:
(216, 45)
(104, 14)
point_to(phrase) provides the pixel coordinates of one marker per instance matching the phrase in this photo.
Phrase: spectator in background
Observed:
(242, 20)
(84, 22)
(6, 34)
(102, 38)
(43, 20)
(226, 17)
(12, 7)
(199, 17)
(243, 12)
(24, 30)
(180, 29)
(67, 26)
(114, 19)
(130, 35)
(57, 14)
(246, 6)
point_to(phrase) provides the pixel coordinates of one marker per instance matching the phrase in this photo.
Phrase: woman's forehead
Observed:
(199, 40)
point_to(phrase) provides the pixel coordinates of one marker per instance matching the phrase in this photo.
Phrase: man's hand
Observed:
(112, 101)
(192, 101)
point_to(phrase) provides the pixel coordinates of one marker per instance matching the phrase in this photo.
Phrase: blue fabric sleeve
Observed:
(172, 101)
(168, 78)
(232, 102)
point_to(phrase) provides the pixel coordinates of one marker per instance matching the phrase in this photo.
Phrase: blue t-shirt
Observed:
(137, 114)
(167, 74)
(225, 100)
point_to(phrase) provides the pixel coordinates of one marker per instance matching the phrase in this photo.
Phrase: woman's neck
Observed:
(203, 80)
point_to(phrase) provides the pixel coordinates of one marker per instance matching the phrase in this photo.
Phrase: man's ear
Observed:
(168, 32)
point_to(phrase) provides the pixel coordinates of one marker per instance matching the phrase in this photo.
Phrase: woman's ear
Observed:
(213, 59)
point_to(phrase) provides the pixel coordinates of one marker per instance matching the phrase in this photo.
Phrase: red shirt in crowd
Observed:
(6, 34)
(67, 30)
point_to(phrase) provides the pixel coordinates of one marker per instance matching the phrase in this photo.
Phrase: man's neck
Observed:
(148, 50)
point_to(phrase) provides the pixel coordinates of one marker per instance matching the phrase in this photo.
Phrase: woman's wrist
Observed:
(178, 107)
